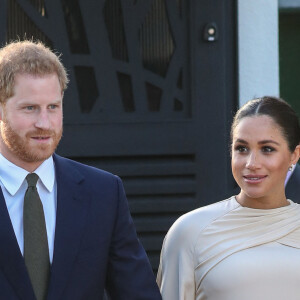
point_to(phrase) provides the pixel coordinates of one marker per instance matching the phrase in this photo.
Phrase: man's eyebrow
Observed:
(56, 101)
(32, 102)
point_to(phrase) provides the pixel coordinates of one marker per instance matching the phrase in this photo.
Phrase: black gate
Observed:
(151, 96)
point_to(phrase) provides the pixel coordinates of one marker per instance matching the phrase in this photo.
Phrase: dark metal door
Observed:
(151, 96)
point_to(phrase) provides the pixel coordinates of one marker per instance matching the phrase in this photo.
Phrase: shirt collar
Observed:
(13, 176)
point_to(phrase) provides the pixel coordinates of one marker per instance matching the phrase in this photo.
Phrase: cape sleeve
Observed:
(176, 276)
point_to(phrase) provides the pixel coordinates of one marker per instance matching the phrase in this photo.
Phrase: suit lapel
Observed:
(71, 214)
(11, 259)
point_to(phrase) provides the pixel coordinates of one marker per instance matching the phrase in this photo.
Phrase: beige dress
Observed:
(228, 252)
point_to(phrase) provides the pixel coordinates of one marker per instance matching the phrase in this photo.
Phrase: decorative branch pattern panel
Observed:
(126, 59)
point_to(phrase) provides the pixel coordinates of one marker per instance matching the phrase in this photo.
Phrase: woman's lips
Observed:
(254, 178)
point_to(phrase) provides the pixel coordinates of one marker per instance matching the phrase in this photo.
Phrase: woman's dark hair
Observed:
(279, 110)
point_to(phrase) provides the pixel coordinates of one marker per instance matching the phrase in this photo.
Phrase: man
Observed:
(65, 228)
(292, 188)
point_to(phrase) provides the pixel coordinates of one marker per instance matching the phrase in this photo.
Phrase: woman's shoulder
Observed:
(195, 221)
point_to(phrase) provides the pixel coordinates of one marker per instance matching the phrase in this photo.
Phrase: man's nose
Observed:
(43, 121)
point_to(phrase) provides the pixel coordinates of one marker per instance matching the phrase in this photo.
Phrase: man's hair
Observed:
(28, 57)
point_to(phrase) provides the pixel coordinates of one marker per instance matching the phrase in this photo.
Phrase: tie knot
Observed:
(32, 179)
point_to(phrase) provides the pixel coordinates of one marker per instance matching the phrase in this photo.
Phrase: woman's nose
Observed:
(252, 161)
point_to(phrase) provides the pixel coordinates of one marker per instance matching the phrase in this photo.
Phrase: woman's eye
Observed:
(241, 149)
(268, 149)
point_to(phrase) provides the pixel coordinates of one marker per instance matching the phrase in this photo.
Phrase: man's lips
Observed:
(254, 178)
(41, 138)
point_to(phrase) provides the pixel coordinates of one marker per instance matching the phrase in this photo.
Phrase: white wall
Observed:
(289, 3)
(258, 55)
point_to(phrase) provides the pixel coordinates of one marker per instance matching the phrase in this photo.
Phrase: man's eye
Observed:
(30, 107)
(53, 106)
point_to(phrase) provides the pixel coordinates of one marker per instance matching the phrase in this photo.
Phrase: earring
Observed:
(291, 168)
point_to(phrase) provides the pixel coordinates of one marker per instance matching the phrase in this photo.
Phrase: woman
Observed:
(248, 246)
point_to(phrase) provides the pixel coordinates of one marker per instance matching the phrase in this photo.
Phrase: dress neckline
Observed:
(265, 211)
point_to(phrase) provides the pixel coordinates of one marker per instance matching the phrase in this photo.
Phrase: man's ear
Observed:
(295, 155)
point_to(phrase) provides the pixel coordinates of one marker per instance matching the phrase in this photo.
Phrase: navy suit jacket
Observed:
(292, 189)
(95, 245)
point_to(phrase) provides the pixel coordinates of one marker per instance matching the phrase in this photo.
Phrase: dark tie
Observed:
(36, 253)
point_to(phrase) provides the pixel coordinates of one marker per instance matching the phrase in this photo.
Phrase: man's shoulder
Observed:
(68, 165)
(296, 172)
(292, 189)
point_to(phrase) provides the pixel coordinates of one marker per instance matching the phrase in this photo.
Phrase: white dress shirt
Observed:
(14, 185)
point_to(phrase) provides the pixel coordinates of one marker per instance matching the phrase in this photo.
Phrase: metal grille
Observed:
(115, 28)
(20, 26)
(159, 189)
(157, 45)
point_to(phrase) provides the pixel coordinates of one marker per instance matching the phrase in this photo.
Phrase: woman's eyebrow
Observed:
(268, 142)
(241, 141)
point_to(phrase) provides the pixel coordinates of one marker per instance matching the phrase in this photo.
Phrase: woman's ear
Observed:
(295, 155)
